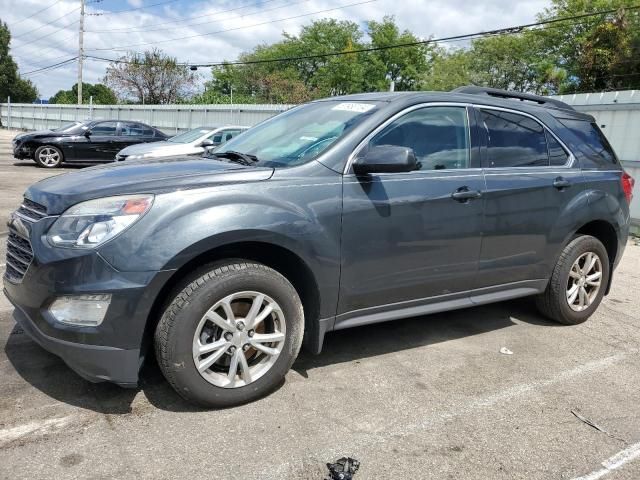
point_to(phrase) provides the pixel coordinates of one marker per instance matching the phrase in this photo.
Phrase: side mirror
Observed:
(87, 133)
(207, 142)
(386, 159)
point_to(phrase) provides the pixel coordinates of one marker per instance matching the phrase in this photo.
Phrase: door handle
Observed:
(463, 194)
(561, 183)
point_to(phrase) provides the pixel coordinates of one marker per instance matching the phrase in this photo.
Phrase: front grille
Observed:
(19, 257)
(32, 210)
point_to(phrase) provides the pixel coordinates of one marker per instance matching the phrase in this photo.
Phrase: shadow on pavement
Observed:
(50, 375)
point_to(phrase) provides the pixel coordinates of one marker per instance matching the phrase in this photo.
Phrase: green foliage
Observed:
(102, 95)
(11, 84)
(302, 79)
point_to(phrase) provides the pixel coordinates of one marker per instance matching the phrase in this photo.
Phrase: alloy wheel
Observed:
(585, 279)
(49, 157)
(239, 339)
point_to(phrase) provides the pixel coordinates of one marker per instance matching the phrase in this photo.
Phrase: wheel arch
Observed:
(606, 233)
(281, 259)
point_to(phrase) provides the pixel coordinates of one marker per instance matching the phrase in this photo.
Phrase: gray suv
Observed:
(341, 212)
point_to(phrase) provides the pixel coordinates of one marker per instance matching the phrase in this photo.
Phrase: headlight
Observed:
(89, 224)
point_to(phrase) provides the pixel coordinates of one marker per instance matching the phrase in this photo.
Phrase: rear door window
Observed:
(558, 156)
(513, 140)
(595, 143)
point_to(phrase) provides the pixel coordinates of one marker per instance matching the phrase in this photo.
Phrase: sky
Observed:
(218, 29)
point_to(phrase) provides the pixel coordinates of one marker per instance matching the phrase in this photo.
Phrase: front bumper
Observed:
(21, 152)
(91, 362)
(112, 351)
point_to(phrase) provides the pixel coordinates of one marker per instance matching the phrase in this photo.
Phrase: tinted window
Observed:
(136, 130)
(439, 136)
(557, 155)
(104, 128)
(514, 140)
(592, 139)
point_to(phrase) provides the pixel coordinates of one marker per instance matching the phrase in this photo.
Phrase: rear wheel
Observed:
(231, 335)
(577, 283)
(48, 156)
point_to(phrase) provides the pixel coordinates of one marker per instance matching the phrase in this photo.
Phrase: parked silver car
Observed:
(191, 142)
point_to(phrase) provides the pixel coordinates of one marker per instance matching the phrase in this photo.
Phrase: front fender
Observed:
(185, 224)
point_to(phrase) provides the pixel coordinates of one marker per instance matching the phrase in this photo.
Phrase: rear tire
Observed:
(212, 325)
(48, 156)
(578, 282)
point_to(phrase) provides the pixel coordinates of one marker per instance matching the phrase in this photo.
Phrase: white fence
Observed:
(168, 118)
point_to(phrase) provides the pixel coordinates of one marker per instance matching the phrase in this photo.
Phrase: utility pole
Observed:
(80, 51)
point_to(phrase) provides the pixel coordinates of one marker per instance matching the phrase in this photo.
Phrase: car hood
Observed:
(164, 148)
(139, 176)
(37, 134)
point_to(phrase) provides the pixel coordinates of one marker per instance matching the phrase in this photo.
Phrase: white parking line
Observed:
(43, 427)
(610, 464)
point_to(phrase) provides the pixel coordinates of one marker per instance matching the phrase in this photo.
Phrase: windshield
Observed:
(190, 136)
(67, 127)
(300, 134)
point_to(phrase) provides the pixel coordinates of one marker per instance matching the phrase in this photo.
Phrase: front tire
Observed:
(230, 335)
(48, 156)
(578, 282)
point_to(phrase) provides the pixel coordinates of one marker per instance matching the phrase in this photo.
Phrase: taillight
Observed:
(627, 185)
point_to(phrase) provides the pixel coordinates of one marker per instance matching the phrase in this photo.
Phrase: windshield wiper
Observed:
(237, 157)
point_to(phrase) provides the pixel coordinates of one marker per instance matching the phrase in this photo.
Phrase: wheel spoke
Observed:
(211, 359)
(228, 311)
(594, 278)
(263, 314)
(219, 321)
(268, 337)
(253, 312)
(233, 366)
(592, 260)
(582, 301)
(244, 366)
(574, 274)
(265, 349)
(205, 348)
(572, 293)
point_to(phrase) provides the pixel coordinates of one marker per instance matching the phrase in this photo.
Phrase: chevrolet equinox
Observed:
(342, 212)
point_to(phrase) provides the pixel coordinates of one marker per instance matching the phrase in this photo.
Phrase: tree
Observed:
(11, 84)
(153, 78)
(102, 95)
(598, 53)
(402, 66)
(448, 70)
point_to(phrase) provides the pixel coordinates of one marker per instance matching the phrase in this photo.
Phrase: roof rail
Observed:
(497, 93)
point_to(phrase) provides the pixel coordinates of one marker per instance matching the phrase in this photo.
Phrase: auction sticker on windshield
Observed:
(354, 107)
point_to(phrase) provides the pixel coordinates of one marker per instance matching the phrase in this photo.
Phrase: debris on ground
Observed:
(343, 469)
(506, 351)
(592, 424)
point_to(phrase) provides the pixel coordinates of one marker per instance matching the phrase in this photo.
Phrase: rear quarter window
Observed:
(593, 141)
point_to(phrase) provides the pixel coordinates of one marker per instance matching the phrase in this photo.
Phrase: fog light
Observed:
(80, 310)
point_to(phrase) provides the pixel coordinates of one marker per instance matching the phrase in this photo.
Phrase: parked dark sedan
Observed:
(93, 141)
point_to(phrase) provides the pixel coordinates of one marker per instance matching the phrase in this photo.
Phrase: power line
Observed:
(120, 47)
(45, 24)
(36, 13)
(128, 30)
(46, 36)
(116, 12)
(453, 38)
(203, 23)
(50, 67)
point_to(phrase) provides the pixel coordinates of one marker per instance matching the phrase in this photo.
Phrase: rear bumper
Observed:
(92, 362)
